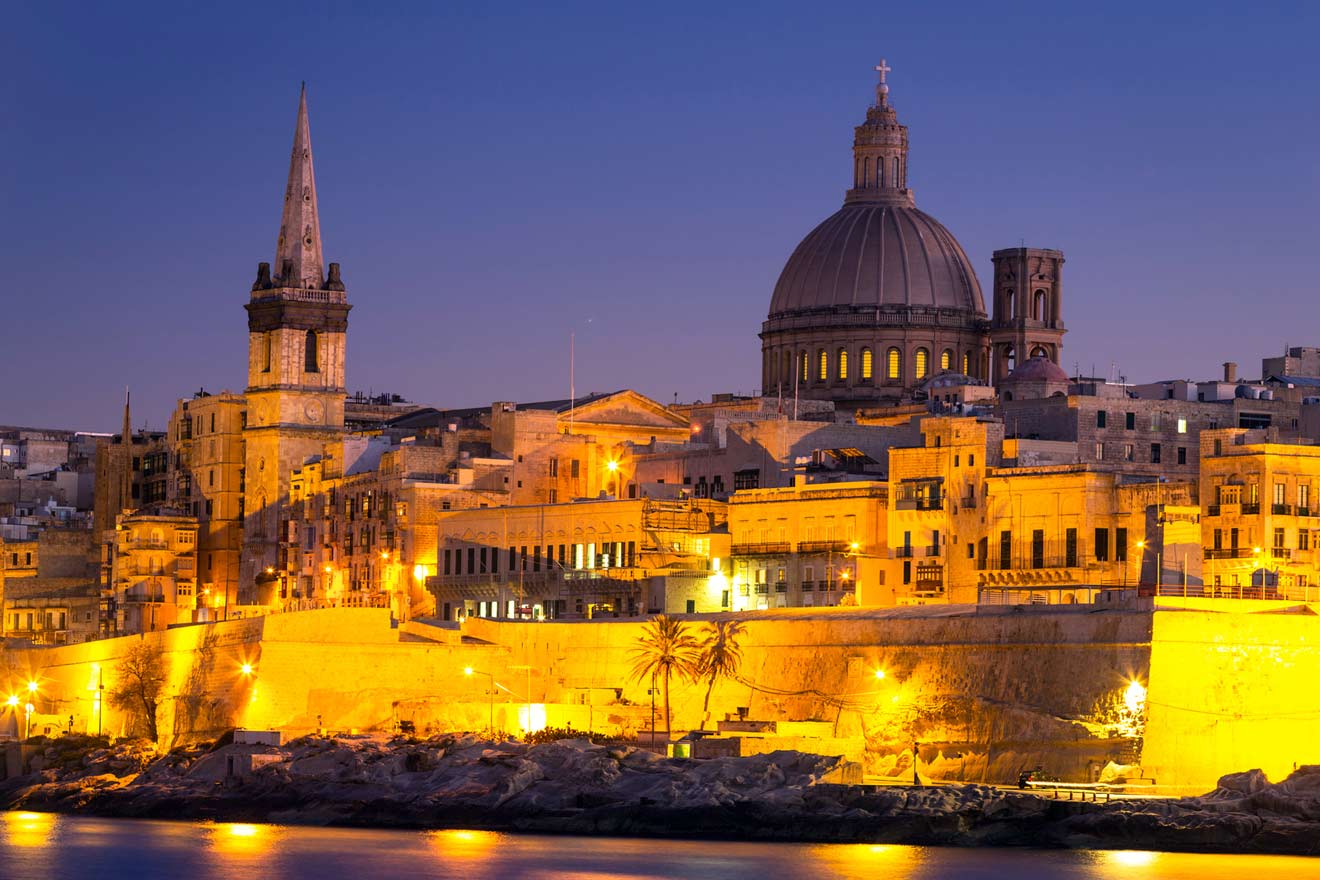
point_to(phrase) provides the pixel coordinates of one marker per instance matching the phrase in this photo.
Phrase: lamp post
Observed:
(469, 671)
(12, 703)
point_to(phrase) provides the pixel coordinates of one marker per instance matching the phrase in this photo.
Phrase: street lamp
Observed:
(469, 671)
(246, 669)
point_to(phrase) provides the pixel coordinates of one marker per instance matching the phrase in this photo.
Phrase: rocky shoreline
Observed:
(575, 787)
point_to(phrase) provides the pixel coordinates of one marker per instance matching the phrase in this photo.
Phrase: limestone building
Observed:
(154, 571)
(809, 545)
(587, 559)
(207, 449)
(297, 326)
(1260, 515)
(880, 296)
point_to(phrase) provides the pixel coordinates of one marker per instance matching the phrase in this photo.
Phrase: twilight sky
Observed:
(495, 176)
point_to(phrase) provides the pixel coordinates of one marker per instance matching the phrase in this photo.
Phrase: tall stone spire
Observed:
(880, 153)
(298, 261)
(126, 456)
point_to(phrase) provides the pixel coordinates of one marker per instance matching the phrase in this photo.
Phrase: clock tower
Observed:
(297, 326)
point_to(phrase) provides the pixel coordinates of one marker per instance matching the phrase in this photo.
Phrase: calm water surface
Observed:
(48, 847)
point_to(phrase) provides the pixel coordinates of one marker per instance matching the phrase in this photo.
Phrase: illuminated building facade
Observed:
(586, 559)
(154, 570)
(809, 545)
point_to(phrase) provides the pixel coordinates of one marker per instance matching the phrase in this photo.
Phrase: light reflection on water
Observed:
(49, 847)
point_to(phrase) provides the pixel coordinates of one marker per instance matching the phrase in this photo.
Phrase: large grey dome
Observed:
(878, 255)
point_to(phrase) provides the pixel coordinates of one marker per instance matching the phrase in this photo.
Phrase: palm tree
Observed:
(665, 649)
(721, 655)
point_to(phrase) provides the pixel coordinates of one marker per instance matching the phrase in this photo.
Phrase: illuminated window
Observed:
(843, 363)
(967, 363)
(922, 363)
(823, 359)
(803, 358)
(1182, 426)
(867, 367)
(310, 362)
(893, 363)
(946, 360)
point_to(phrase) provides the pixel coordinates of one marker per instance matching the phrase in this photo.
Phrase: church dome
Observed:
(873, 254)
(1037, 369)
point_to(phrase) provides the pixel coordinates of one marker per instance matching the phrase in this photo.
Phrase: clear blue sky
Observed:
(495, 176)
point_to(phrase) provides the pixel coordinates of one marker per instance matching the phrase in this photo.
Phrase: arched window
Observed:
(922, 363)
(786, 374)
(896, 178)
(893, 363)
(265, 352)
(824, 360)
(1038, 352)
(879, 172)
(946, 359)
(1010, 304)
(1010, 358)
(843, 364)
(868, 369)
(310, 361)
(866, 173)
(967, 363)
(802, 357)
(1038, 306)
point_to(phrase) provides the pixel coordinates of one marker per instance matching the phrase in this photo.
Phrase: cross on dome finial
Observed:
(882, 88)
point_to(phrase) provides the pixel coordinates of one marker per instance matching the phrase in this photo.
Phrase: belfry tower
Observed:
(1027, 316)
(297, 326)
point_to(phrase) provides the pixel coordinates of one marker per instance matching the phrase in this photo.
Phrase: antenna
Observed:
(572, 387)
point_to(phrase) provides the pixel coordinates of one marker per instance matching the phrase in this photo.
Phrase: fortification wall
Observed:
(1232, 692)
(983, 692)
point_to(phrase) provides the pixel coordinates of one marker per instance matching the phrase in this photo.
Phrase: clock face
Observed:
(314, 411)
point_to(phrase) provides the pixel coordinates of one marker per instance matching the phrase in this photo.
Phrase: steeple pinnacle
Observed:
(880, 152)
(298, 261)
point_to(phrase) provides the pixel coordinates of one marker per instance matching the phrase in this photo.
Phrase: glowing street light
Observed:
(246, 669)
(879, 674)
(611, 465)
(385, 554)
(32, 687)
(12, 702)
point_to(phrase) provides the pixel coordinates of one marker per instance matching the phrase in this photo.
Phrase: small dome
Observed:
(878, 255)
(1037, 369)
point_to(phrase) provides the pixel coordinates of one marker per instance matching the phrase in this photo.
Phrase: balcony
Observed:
(1281, 509)
(763, 548)
(927, 502)
(933, 550)
(762, 589)
(904, 552)
(822, 546)
(1212, 510)
(781, 587)
(1228, 553)
(808, 586)
(1251, 508)
(1304, 511)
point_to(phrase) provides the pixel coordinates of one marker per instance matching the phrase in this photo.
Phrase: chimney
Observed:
(1230, 371)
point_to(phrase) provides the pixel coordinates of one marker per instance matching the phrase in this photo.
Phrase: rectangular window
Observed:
(1120, 545)
(1303, 539)
(1304, 498)
(471, 559)
(1182, 426)
(575, 468)
(1154, 453)
(1129, 452)
(482, 570)
(1102, 545)
(447, 561)
(1101, 418)
(1099, 451)
(1280, 491)
(1038, 548)
(1218, 539)
(1005, 549)
(1130, 422)
(1070, 548)
(1279, 539)
(1182, 455)
(907, 571)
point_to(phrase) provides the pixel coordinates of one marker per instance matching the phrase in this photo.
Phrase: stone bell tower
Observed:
(1027, 316)
(297, 326)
